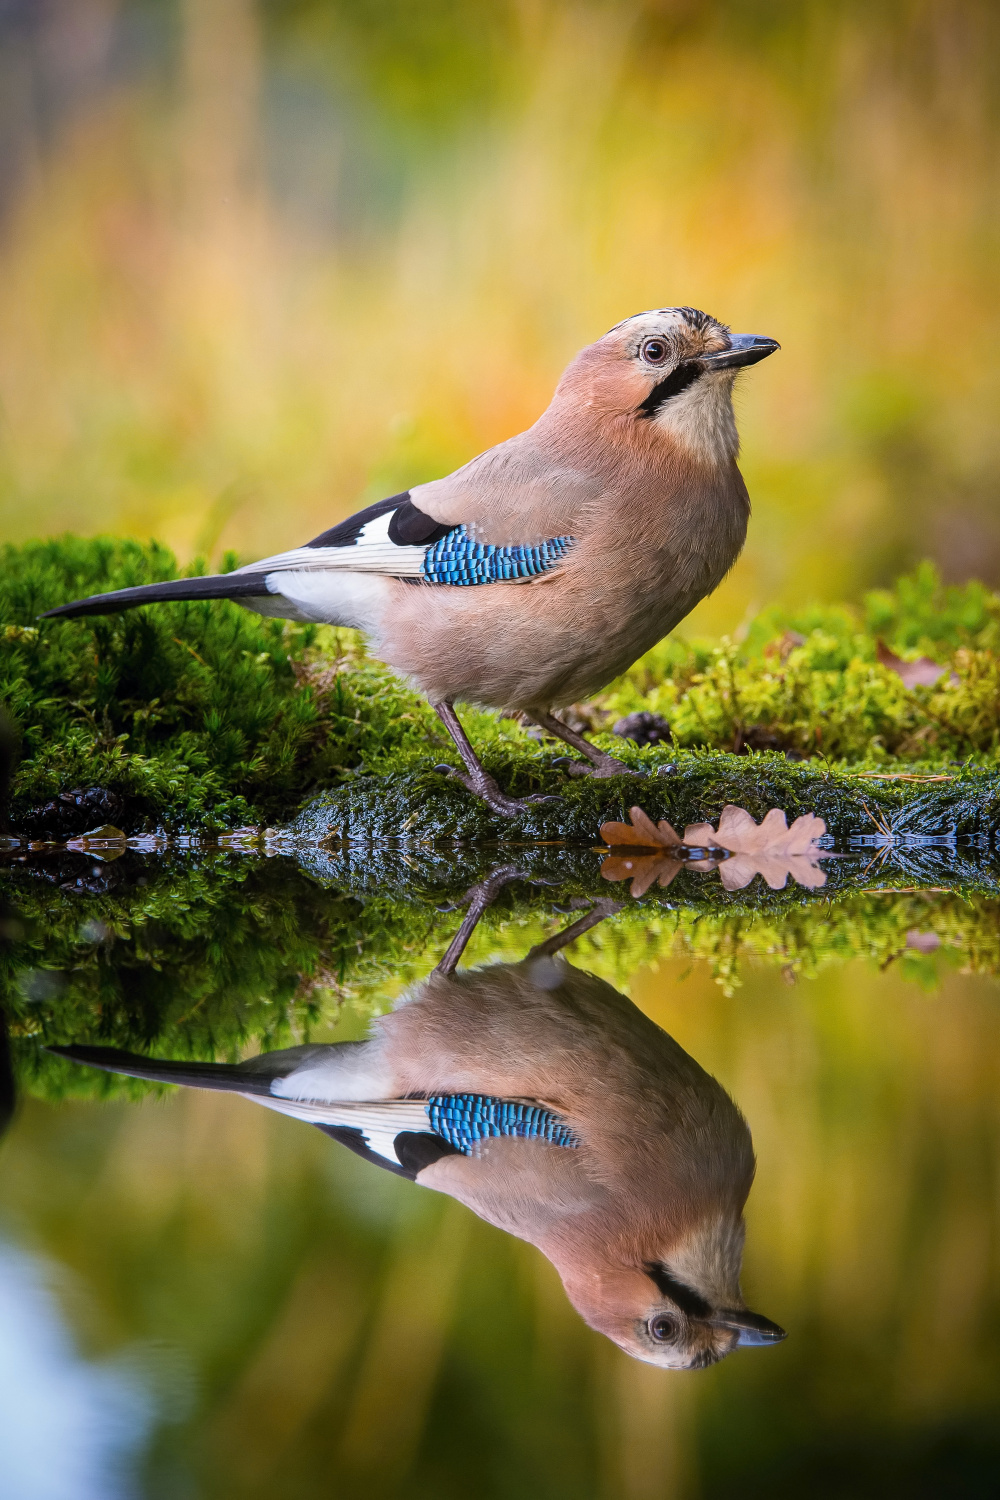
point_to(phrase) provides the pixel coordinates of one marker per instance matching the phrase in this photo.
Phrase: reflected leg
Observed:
(599, 912)
(479, 898)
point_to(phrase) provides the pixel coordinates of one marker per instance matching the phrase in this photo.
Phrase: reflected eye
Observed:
(654, 352)
(663, 1329)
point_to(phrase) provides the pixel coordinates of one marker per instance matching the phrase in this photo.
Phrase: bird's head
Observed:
(682, 1310)
(671, 372)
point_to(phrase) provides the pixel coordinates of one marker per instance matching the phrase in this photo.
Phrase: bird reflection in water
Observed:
(547, 1103)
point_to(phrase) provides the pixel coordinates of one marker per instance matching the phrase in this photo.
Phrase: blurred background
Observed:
(204, 1301)
(262, 261)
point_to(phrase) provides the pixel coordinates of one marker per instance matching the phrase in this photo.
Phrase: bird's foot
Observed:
(484, 787)
(607, 766)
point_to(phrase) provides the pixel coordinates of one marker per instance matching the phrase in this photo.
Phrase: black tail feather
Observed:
(218, 586)
(162, 1070)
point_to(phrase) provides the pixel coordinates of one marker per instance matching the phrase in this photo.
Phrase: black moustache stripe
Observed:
(685, 1297)
(671, 385)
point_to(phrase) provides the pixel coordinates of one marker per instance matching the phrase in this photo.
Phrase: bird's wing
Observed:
(461, 1121)
(396, 538)
(393, 537)
(405, 1135)
(516, 494)
(377, 1125)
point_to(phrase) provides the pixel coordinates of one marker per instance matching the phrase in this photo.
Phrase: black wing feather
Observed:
(409, 527)
(164, 1070)
(218, 586)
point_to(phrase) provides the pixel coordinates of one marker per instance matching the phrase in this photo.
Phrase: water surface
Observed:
(204, 1298)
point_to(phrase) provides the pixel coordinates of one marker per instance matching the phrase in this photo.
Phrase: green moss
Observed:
(198, 714)
(810, 681)
(212, 954)
(203, 954)
(414, 807)
(202, 715)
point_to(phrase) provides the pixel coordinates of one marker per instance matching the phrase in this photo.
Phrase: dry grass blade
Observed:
(898, 776)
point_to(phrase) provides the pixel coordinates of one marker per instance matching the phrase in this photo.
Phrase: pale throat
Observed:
(701, 420)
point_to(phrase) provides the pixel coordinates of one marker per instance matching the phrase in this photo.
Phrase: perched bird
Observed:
(538, 572)
(547, 1103)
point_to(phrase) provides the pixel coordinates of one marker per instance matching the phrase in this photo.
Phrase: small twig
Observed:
(879, 821)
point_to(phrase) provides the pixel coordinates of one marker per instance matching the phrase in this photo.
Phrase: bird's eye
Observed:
(654, 351)
(663, 1329)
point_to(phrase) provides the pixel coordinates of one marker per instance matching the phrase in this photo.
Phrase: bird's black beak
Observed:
(752, 1330)
(744, 349)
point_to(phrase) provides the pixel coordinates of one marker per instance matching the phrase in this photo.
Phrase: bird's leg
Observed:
(479, 898)
(479, 781)
(603, 763)
(598, 913)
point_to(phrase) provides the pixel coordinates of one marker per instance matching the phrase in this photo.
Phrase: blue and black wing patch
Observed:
(457, 1126)
(458, 559)
(463, 1120)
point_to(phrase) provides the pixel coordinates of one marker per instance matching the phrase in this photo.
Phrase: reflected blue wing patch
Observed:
(465, 1119)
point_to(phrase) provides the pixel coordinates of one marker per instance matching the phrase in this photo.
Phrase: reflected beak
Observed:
(744, 349)
(753, 1330)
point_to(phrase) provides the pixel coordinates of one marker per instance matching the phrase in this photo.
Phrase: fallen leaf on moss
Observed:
(739, 847)
(641, 833)
(920, 673)
(784, 645)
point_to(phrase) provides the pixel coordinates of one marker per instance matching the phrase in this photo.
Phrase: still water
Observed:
(510, 1260)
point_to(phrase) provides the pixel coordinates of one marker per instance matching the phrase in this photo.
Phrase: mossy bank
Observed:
(202, 716)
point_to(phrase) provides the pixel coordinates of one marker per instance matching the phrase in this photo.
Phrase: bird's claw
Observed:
(487, 790)
(610, 767)
(617, 768)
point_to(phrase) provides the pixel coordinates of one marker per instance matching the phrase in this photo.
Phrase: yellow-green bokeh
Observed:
(312, 253)
(334, 1330)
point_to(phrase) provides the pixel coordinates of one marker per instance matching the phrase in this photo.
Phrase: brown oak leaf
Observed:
(769, 848)
(920, 673)
(641, 833)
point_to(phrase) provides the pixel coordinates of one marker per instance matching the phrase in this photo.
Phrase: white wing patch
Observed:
(379, 1122)
(371, 553)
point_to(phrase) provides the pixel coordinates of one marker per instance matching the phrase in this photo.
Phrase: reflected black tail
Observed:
(193, 1075)
(218, 586)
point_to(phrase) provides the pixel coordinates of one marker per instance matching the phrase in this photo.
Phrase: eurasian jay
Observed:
(547, 1103)
(538, 572)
